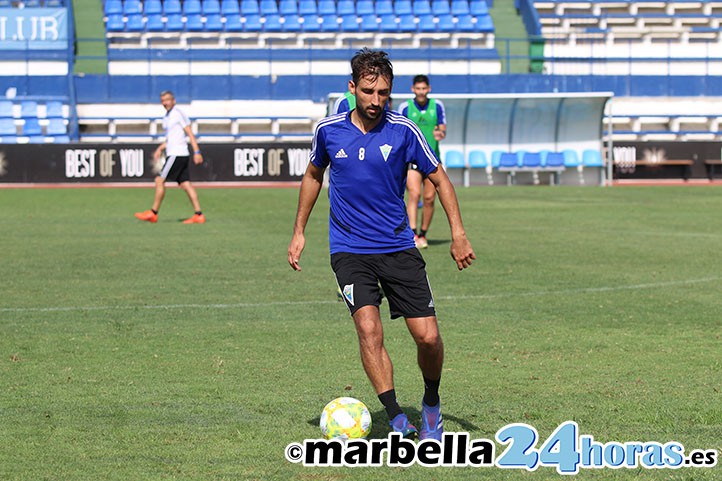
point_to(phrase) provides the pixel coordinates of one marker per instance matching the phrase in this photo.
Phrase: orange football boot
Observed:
(196, 219)
(148, 216)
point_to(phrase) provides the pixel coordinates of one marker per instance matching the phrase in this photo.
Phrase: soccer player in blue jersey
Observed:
(367, 151)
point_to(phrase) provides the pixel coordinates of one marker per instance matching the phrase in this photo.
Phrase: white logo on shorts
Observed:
(348, 293)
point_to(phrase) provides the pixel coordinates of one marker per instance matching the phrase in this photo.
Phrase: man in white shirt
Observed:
(177, 159)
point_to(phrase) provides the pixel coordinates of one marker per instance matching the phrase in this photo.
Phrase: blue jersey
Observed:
(368, 179)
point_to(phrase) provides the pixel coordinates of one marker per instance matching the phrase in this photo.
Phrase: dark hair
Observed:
(167, 92)
(421, 79)
(371, 63)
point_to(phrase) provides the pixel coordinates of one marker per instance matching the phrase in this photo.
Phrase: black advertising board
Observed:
(98, 163)
(664, 159)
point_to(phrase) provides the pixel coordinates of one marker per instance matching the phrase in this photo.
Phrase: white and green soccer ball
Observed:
(345, 418)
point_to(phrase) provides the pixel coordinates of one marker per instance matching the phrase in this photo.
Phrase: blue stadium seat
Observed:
(459, 7)
(36, 139)
(329, 23)
(115, 23)
(426, 23)
(6, 109)
(454, 160)
(210, 7)
(531, 160)
(268, 7)
(291, 23)
(349, 23)
(388, 23)
(592, 158)
(252, 23)
(403, 7)
(465, 23)
(56, 127)
(174, 22)
(421, 7)
(112, 7)
(249, 7)
(31, 4)
(131, 7)
(326, 7)
(155, 23)
(478, 7)
(484, 24)
(345, 7)
(272, 23)
(54, 3)
(288, 7)
(407, 23)
(28, 109)
(369, 23)
(307, 7)
(61, 139)
(31, 127)
(229, 7)
(191, 7)
(7, 128)
(213, 23)
(152, 7)
(172, 7)
(194, 22)
(233, 23)
(384, 7)
(135, 23)
(365, 7)
(446, 23)
(477, 159)
(571, 159)
(508, 161)
(554, 160)
(440, 7)
(310, 23)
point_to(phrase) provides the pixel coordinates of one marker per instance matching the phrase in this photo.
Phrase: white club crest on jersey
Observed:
(341, 154)
(348, 293)
(385, 151)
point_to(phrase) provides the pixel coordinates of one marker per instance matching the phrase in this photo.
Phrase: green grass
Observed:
(131, 351)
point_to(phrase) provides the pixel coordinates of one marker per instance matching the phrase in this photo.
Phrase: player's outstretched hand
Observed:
(462, 253)
(295, 248)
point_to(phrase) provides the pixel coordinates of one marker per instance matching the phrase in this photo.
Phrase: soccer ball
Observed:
(345, 418)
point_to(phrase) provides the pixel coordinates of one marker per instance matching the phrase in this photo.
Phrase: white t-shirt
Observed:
(175, 137)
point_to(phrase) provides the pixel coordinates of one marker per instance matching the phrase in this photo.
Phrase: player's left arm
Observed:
(440, 129)
(461, 250)
(197, 155)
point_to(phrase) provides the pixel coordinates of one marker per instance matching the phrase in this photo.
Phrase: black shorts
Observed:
(402, 276)
(175, 169)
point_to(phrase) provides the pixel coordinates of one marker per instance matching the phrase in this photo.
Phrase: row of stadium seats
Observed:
(298, 23)
(31, 3)
(28, 121)
(303, 7)
(630, 7)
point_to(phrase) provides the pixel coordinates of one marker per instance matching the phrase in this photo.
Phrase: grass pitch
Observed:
(131, 351)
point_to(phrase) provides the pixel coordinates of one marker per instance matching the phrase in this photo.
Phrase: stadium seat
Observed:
(369, 23)
(210, 7)
(329, 23)
(446, 23)
(155, 23)
(291, 23)
(112, 7)
(311, 23)
(554, 160)
(31, 127)
(440, 7)
(345, 7)
(508, 160)
(56, 127)
(403, 7)
(349, 23)
(229, 7)
(477, 159)
(115, 23)
(152, 7)
(172, 7)
(388, 23)
(7, 128)
(252, 23)
(250, 7)
(571, 159)
(531, 160)
(407, 23)
(592, 158)
(288, 7)
(307, 7)
(194, 22)
(465, 23)
(272, 23)
(191, 7)
(233, 23)
(421, 7)
(454, 160)
(6, 109)
(174, 22)
(326, 7)
(365, 7)
(384, 7)
(31, 4)
(427, 23)
(213, 23)
(478, 7)
(459, 7)
(135, 23)
(484, 24)
(268, 7)
(131, 7)
(28, 109)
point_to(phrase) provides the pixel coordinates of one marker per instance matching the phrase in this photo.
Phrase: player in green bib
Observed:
(430, 117)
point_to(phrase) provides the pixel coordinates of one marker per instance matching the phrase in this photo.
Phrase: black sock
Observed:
(199, 212)
(388, 399)
(154, 211)
(431, 392)
(422, 233)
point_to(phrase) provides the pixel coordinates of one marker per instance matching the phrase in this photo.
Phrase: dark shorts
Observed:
(402, 276)
(175, 169)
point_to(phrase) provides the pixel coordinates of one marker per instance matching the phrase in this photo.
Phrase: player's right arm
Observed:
(310, 188)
